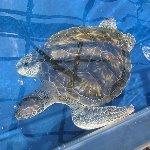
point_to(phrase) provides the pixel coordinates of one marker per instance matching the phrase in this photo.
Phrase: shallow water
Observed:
(34, 21)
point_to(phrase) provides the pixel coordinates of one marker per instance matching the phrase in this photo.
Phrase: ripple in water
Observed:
(146, 52)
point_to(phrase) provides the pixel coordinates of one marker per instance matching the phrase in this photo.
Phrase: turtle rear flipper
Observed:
(109, 23)
(96, 117)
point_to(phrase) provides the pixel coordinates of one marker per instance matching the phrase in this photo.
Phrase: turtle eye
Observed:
(26, 64)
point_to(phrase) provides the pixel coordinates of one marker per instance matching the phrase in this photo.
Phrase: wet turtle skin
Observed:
(83, 67)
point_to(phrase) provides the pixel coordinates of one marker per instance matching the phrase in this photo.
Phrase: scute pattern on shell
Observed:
(90, 34)
(100, 67)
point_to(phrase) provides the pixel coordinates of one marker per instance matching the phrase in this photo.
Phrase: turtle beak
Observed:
(18, 67)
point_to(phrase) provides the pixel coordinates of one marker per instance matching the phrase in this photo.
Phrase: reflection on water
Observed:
(35, 21)
(146, 52)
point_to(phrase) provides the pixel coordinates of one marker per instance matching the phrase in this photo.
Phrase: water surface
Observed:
(34, 21)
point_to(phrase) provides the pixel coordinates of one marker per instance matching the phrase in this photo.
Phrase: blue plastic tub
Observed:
(34, 21)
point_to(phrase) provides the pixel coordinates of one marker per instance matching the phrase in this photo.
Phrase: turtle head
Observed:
(29, 65)
(29, 107)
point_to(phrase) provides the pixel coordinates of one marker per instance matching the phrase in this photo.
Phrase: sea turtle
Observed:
(83, 67)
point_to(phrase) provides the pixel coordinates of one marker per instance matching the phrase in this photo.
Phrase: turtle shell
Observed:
(89, 64)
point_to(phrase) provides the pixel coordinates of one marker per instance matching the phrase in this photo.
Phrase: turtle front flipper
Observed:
(96, 117)
(38, 101)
